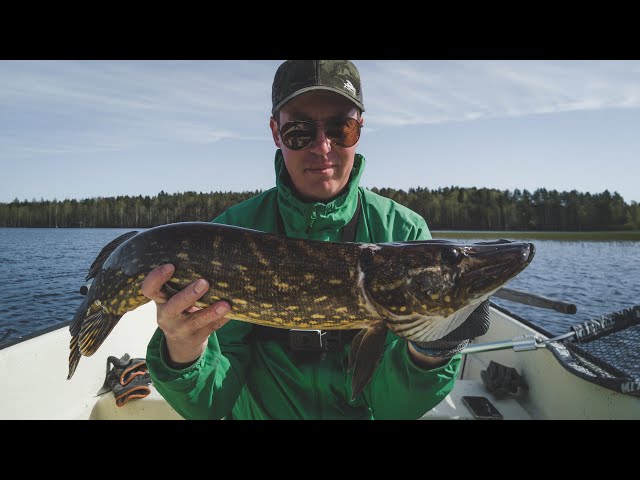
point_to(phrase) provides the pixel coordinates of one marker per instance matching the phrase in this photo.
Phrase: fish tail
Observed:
(74, 329)
(88, 332)
(76, 323)
(95, 329)
(74, 356)
(89, 327)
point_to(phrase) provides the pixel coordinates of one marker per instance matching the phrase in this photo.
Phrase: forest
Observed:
(449, 208)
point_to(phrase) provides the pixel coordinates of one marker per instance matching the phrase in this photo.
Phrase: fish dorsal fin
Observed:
(106, 251)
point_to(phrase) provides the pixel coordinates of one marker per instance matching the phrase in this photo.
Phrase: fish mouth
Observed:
(492, 264)
(502, 247)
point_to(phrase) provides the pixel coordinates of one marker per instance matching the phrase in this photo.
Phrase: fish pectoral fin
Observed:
(365, 355)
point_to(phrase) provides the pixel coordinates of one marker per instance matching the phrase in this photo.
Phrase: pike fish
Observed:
(420, 290)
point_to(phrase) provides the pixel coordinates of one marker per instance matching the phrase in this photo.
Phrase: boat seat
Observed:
(453, 408)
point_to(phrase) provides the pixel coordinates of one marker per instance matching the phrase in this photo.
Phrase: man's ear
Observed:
(274, 132)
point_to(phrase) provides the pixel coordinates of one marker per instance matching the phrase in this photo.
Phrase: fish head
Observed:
(441, 281)
(456, 275)
(484, 267)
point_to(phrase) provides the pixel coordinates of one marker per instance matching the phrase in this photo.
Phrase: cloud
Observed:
(64, 106)
(133, 86)
(28, 146)
(426, 92)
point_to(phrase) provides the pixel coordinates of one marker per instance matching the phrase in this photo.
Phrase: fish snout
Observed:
(492, 264)
(529, 253)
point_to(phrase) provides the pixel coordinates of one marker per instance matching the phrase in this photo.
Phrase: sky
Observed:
(82, 129)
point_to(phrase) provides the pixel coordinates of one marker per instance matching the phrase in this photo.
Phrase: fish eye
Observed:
(451, 256)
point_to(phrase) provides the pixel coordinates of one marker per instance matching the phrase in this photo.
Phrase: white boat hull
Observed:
(34, 385)
(33, 374)
(553, 392)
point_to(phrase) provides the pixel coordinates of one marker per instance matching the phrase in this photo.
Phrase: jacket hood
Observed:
(316, 220)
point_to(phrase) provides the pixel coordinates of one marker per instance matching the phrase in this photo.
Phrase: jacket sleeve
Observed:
(402, 390)
(209, 388)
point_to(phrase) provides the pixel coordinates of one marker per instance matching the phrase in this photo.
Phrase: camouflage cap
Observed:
(295, 77)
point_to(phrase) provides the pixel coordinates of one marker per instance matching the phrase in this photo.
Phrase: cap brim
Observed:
(279, 105)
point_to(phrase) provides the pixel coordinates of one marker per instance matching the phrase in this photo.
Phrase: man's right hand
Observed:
(185, 326)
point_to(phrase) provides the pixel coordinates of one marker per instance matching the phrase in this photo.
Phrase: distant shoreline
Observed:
(603, 236)
(622, 235)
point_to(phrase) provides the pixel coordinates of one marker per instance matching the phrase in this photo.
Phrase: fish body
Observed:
(421, 290)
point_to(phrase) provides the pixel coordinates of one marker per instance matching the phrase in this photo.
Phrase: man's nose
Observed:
(321, 144)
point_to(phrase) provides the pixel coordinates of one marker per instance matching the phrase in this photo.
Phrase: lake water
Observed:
(41, 271)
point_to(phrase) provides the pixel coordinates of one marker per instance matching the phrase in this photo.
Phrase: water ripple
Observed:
(41, 271)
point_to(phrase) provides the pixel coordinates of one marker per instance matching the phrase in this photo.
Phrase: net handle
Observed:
(607, 324)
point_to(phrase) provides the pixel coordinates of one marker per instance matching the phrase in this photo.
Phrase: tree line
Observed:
(450, 208)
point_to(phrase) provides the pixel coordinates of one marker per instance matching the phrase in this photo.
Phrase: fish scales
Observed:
(272, 282)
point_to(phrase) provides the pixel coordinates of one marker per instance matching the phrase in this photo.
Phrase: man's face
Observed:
(320, 171)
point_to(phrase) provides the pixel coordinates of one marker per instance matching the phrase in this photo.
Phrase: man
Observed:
(209, 367)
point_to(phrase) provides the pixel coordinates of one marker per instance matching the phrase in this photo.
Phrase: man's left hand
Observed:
(453, 342)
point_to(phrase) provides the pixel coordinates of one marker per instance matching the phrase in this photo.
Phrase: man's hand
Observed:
(424, 361)
(186, 327)
(476, 325)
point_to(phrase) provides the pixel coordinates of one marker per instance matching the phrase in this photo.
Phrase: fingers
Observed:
(191, 329)
(209, 319)
(177, 315)
(187, 336)
(153, 282)
(185, 298)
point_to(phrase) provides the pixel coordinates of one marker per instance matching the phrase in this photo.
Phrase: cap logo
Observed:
(349, 86)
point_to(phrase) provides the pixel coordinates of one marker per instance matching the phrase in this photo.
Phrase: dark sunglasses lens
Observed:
(344, 133)
(297, 135)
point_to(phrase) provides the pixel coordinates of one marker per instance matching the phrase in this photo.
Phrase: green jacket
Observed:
(240, 378)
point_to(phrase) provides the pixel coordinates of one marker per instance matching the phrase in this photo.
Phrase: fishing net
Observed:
(605, 351)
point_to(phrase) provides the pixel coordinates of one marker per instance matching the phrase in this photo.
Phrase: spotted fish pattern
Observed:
(420, 290)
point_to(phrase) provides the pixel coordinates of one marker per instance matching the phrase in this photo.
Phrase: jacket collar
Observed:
(316, 220)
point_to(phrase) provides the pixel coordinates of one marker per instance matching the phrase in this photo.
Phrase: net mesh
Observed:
(609, 355)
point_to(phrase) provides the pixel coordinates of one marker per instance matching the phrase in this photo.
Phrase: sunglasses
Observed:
(299, 134)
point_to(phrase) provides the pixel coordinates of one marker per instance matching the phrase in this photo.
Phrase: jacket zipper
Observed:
(312, 220)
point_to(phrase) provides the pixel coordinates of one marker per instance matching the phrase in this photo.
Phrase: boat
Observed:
(33, 371)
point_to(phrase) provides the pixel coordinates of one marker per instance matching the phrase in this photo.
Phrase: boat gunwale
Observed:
(522, 320)
(30, 336)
